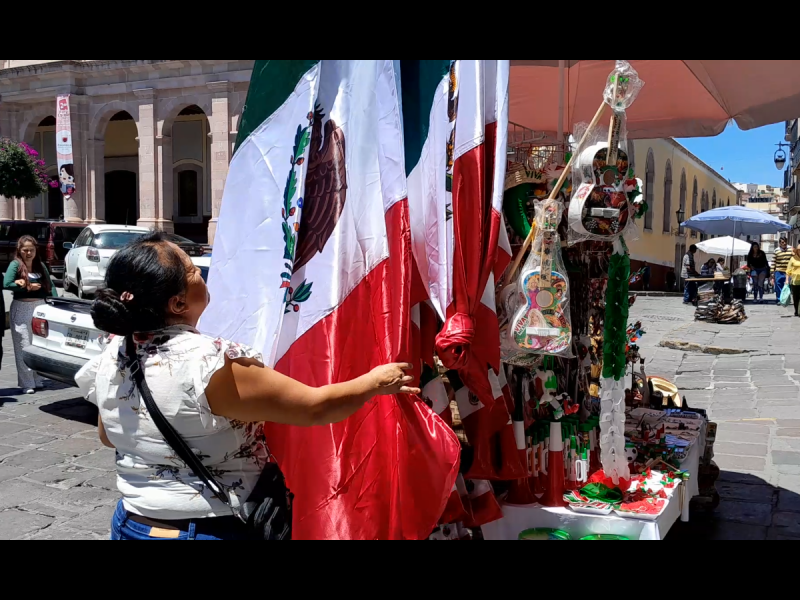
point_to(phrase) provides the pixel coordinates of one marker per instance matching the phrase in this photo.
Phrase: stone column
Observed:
(75, 206)
(6, 208)
(151, 210)
(164, 162)
(96, 190)
(220, 148)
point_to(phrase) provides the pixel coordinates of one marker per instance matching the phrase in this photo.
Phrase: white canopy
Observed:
(725, 246)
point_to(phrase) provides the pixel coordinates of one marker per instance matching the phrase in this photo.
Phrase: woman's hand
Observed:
(21, 283)
(35, 287)
(391, 379)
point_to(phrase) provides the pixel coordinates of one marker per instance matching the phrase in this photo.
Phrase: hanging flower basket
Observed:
(22, 172)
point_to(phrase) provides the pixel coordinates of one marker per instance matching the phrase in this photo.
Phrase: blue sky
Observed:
(742, 156)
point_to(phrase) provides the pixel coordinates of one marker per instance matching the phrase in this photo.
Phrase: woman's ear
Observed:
(177, 304)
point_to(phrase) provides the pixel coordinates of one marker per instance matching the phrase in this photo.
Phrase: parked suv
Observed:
(50, 237)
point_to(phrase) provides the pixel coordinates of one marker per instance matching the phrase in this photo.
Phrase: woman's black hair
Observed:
(152, 272)
(752, 254)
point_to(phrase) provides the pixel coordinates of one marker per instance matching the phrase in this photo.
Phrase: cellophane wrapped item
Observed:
(538, 305)
(606, 197)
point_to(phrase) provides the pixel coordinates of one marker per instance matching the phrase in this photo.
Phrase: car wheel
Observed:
(81, 294)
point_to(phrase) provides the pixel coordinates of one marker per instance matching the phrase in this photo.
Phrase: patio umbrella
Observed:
(681, 98)
(735, 221)
(725, 246)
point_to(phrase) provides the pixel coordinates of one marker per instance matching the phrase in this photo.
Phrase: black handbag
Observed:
(267, 512)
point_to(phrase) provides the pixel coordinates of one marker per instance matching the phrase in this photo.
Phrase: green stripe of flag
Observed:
(270, 85)
(419, 80)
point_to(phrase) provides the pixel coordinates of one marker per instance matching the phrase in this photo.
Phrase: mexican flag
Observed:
(312, 264)
(455, 115)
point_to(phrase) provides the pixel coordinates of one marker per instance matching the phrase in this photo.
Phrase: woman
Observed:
(709, 268)
(30, 282)
(759, 270)
(215, 393)
(793, 278)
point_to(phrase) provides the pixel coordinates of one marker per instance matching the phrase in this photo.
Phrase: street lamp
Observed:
(680, 214)
(780, 156)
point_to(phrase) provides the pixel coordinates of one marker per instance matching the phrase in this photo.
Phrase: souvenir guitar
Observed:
(541, 325)
(601, 207)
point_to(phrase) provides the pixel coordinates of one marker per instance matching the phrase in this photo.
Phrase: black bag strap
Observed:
(171, 436)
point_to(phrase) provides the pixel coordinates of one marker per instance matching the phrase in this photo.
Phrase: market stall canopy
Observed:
(725, 246)
(735, 221)
(681, 98)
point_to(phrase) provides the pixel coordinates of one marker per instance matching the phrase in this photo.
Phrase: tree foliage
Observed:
(22, 171)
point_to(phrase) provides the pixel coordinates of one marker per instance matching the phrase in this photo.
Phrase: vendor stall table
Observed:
(519, 518)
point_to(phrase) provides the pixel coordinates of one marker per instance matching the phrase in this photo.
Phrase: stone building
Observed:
(152, 139)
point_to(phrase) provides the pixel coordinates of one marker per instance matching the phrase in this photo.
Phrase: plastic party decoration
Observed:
(554, 496)
(615, 343)
(606, 191)
(541, 325)
(545, 534)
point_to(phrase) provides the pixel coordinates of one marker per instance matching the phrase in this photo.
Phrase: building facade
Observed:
(673, 178)
(791, 178)
(152, 139)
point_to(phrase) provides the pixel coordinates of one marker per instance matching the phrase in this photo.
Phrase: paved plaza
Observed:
(57, 481)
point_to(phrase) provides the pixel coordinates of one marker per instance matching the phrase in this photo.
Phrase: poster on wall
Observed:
(66, 169)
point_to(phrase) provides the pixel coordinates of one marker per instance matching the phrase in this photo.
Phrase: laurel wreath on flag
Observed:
(294, 296)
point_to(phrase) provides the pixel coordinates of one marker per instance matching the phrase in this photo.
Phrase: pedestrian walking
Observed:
(689, 270)
(782, 258)
(793, 273)
(759, 270)
(646, 276)
(160, 374)
(29, 280)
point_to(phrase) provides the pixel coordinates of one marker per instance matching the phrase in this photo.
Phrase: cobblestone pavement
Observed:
(57, 481)
(754, 397)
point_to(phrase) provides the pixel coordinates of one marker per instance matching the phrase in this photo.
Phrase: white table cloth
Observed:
(518, 518)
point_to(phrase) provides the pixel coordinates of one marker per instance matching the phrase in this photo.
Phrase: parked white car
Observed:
(87, 259)
(65, 338)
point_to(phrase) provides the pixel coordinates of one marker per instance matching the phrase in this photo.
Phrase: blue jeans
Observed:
(780, 283)
(759, 277)
(219, 528)
(690, 291)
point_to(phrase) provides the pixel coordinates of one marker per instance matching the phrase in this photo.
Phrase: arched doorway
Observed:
(121, 197)
(121, 170)
(191, 172)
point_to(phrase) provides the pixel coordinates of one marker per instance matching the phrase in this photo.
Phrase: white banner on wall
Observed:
(66, 169)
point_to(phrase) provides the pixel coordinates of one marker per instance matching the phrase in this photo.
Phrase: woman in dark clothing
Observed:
(759, 270)
(29, 280)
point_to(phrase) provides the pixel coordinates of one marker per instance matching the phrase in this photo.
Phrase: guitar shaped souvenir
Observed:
(541, 326)
(601, 208)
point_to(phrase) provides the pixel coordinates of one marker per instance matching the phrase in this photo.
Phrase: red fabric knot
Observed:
(453, 341)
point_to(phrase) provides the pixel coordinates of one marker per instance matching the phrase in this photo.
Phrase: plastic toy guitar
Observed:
(541, 325)
(601, 203)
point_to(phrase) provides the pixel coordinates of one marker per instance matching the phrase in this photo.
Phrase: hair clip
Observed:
(126, 297)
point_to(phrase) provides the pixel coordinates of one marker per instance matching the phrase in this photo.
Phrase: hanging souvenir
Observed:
(541, 323)
(603, 206)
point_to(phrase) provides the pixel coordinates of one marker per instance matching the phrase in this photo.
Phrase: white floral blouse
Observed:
(154, 482)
